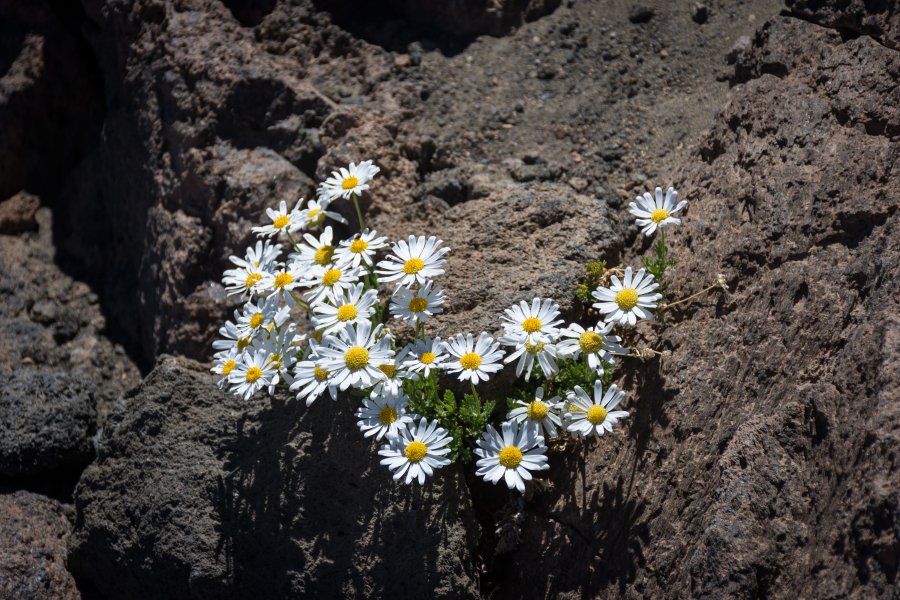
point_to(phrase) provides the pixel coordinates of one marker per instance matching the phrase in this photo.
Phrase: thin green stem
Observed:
(293, 241)
(475, 393)
(362, 223)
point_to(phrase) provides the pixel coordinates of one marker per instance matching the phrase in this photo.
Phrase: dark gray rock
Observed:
(266, 498)
(878, 18)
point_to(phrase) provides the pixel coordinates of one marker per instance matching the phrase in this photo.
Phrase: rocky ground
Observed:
(141, 140)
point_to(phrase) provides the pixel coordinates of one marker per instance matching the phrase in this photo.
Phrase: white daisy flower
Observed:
(652, 213)
(349, 181)
(317, 251)
(282, 348)
(261, 316)
(473, 360)
(510, 455)
(360, 249)
(262, 256)
(539, 413)
(330, 284)
(283, 220)
(352, 306)
(383, 415)
(280, 283)
(246, 279)
(232, 338)
(394, 375)
(417, 451)
(316, 212)
(593, 343)
(252, 373)
(415, 306)
(545, 353)
(425, 355)
(224, 363)
(595, 416)
(311, 380)
(624, 302)
(355, 354)
(413, 261)
(536, 323)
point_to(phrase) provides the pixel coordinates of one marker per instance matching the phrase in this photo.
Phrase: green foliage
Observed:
(593, 278)
(378, 316)
(659, 264)
(465, 419)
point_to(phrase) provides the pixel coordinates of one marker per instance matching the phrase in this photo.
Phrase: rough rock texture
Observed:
(17, 213)
(59, 371)
(50, 100)
(761, 457)
(228, 499)
(878, 18)
(33, 535)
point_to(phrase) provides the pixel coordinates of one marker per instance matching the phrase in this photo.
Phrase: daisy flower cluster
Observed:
(347, 290)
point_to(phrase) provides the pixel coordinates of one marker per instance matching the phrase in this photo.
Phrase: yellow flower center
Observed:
(253, 374)
(252, 279)
(347, 312)
(415, 451)
(537, 410)
(323, 255)
(350, 183)
(387, 415)
(356, 358)
(531, 324)
(320, 374)
(228, 367)
(510, 457)
(418, 304)
(358, 246)
(389, 370)
(627, 298)
(590, 342)
(596, 414)
(315, 217)
(275, 361)
(243, 343)
(470, 361)
(427, 358)
(534, 348)
(256, 320)
(660, 214)
(413, 266)
(283, 279)
(331, 277)
(281, 221)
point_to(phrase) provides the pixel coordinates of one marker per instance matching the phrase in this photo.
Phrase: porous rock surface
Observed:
(34, 531)
(760, 459)
(877, 18)
(196, 493)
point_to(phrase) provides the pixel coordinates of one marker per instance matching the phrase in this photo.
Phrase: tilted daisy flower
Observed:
(510, 454)
(624, 302)
(383, 415)
(311, 380)
(415, 260)
(252, 373)
(224, 363)
(415, 306)
(280, 283)
(360, 249)
(232, 337)
(350, 307)
(355, 354)
(473, 359)
(539, 413)
(317, 251)
(593, 343)
(536, 323)
(330, 283)
(417, 451)
(425, 355)
(349, 181)
(252, 269)
(544, 352)
(316, 212)
(394, 375)
(586, 416)
(282, 220)
(282, 348)
(656, 213)
(261, 316)
(262, 256)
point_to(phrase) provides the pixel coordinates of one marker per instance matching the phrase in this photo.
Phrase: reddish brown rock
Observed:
(17, 213)
(34, 531)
